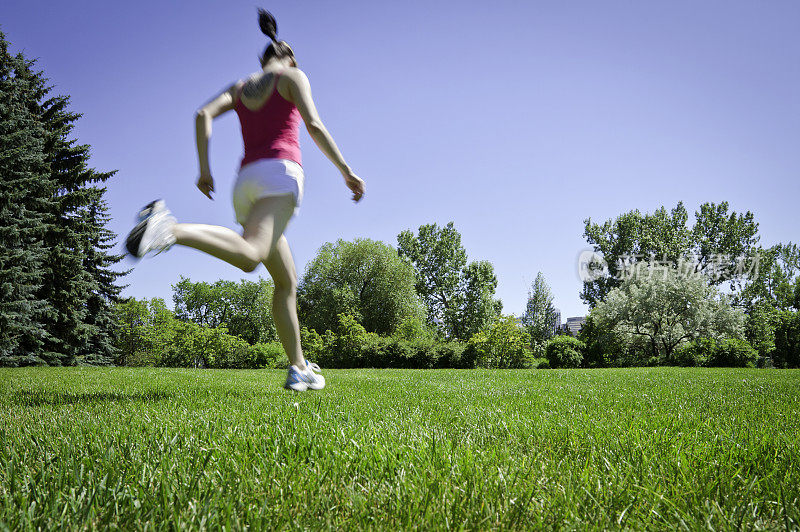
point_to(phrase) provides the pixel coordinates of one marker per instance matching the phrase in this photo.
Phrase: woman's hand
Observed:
(355, 184)
(206, 184)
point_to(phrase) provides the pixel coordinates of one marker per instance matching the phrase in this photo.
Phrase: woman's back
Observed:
(270, 123)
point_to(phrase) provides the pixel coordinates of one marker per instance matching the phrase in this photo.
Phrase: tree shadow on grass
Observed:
(44, 397)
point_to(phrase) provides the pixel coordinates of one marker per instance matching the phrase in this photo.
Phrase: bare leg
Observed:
(261, 241)
(280, 265)
(221, 242)
(266, 223)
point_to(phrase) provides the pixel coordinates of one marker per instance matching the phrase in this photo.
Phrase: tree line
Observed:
(422, 304)
(662, 292)
(358, 306)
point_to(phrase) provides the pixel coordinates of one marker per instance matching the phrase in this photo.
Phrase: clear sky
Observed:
(516, 120)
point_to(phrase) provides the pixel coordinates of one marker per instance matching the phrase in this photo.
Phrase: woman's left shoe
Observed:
(153, 232)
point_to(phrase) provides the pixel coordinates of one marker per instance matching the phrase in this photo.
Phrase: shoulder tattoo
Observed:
(256, 87)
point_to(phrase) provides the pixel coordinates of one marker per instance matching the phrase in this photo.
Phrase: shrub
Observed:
(412, 329)
(684, 355)
(350, 343)
(733, 353)
(765, 363)
(225, 351)
(564, 352)
(450, 355)
(313, 345)
(696, 353)
(266, 355)
(540, 363)
(703, 350)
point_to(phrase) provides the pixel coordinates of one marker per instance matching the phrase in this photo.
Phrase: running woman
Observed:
(267, 192)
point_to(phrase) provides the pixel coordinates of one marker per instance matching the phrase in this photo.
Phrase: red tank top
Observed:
(271, 131)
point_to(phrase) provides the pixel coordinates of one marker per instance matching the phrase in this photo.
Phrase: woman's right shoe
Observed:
(153, 232)
(302, 380)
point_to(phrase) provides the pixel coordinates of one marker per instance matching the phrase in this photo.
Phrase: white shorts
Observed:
(263, 178)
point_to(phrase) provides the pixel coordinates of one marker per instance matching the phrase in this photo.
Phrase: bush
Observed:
(733, 353)
(540, 363)
(412, 329)
(450, 355)
(703, 349)
(313, 345)
(765, 363)
(684, 355)
(21, 361)
(151, 336)
(266, 355)
(564, 352)
(503, 344)
(729, 353)
(692, 354)
(352, 347)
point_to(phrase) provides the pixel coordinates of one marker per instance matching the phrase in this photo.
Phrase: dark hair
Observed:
(275, 49)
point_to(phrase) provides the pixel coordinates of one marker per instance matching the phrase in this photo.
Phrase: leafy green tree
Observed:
(540, 314)
(439, 260)
(146, 329)
(787, 340)
(243, 308)
(760, 327)
(133, 318)
(653, 314)
(776, 282)
(479, 307)
(564, 330)
(718, 244)
(602, 347)
(459, 297)
(503, 344)
(364, 279)
(61, 206)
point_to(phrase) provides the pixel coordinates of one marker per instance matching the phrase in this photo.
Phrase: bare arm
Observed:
(295, 83)
(203, 119)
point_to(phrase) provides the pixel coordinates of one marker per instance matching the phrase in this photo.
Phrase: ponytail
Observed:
(268, 24)
(275, 49)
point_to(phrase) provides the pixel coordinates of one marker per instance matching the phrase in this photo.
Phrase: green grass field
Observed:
(658, 448)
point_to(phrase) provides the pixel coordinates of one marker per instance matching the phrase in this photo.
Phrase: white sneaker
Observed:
(153, 232)
(306, 379)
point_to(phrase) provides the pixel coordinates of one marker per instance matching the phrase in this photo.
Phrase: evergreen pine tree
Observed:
(25, 191)
(540, 314)
(75, 280)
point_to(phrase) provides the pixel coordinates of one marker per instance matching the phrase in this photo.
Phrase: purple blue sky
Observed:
(515, 120)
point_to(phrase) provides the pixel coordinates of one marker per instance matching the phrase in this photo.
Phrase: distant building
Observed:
(575, 324)
(556, 320)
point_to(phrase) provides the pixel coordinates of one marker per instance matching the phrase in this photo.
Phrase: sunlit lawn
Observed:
(659, 448)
